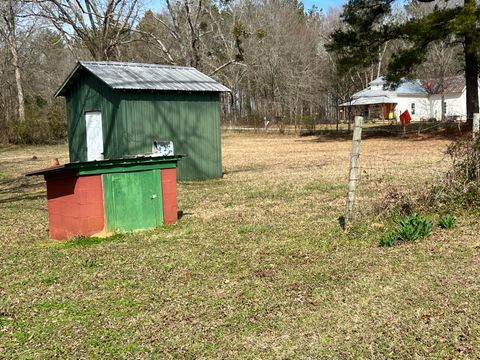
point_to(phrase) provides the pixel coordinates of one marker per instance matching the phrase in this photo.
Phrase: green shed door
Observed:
(133, 200)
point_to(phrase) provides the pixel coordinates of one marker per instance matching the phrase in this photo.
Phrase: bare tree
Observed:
(443, 62)
(102, 26)
(10, 12)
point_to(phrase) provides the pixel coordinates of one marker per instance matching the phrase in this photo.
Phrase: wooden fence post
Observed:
(354, 165)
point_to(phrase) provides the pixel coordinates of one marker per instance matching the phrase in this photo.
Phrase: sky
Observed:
(320, 4)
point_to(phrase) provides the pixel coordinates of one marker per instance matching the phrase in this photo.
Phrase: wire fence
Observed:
(399, 174)
(388, 183)
(390, 128)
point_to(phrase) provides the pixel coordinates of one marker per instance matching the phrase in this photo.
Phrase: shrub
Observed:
(413, 227)
(389, 239)
(44, 123)
(409, 228)
(465, 155)
(447, 221)
(460, 186)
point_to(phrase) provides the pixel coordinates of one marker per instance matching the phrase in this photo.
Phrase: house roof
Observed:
(451, 85)
(410, 87)
(136, 76)
(379, 92)
(369, 101)
(379, 87)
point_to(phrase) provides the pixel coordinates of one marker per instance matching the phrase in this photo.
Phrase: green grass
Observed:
(88, 241)
(256, 268)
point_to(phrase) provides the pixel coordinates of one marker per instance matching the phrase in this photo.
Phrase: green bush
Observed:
(447, 221)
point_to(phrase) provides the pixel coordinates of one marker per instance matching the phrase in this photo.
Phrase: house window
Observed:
(413, 108)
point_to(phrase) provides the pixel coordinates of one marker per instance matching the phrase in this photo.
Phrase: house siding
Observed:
(456, 105)
(422, 106)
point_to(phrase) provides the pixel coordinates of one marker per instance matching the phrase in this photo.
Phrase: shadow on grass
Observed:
(84, 241)
(181, 214)
(20, 198)
(20, 189)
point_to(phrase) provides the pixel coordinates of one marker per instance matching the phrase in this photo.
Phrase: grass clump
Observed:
(409, 228)
(389, 239)
(447, 221)
(413, 227)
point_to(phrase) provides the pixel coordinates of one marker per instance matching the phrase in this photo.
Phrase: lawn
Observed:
(257, 267)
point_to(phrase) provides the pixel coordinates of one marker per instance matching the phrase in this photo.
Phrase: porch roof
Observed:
(371, 100)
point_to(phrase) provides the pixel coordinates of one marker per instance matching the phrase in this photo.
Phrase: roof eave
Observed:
(74, 71)
(412, 94)
(119, 88)
(62, 89)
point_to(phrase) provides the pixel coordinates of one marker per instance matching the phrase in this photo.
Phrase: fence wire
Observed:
(390, 183)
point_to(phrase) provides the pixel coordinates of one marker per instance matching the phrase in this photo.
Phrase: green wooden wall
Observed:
(133, 119)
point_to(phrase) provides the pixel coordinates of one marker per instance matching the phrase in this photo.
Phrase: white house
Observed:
(422, 99)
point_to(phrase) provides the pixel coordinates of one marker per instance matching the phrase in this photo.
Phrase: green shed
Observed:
(117, 110)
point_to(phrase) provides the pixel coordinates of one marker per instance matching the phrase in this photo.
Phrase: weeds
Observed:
(460, 186)
(413, 227)
(389, 239)
(409, 228)
(447, 221)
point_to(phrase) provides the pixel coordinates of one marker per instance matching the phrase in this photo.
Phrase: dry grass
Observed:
(257, 268)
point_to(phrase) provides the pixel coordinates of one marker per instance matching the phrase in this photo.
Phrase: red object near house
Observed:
(405, 118)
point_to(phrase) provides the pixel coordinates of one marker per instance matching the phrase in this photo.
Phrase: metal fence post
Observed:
(354, 165)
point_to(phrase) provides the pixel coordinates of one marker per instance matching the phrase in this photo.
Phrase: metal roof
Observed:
(369, 101)
(105, 164)
(379, 92)
(408, 87)
(451, 85)
(136, 76)
(380, 87)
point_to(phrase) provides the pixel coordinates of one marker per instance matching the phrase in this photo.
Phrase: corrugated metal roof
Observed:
(410, 87)
(451, 85)
(371, 100)
(105, 164)
(136, 76)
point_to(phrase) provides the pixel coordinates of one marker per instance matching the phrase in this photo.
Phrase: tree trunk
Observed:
(442, 109)
(471, 79)
(11, 22)
(18, 80)
(471, 74)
